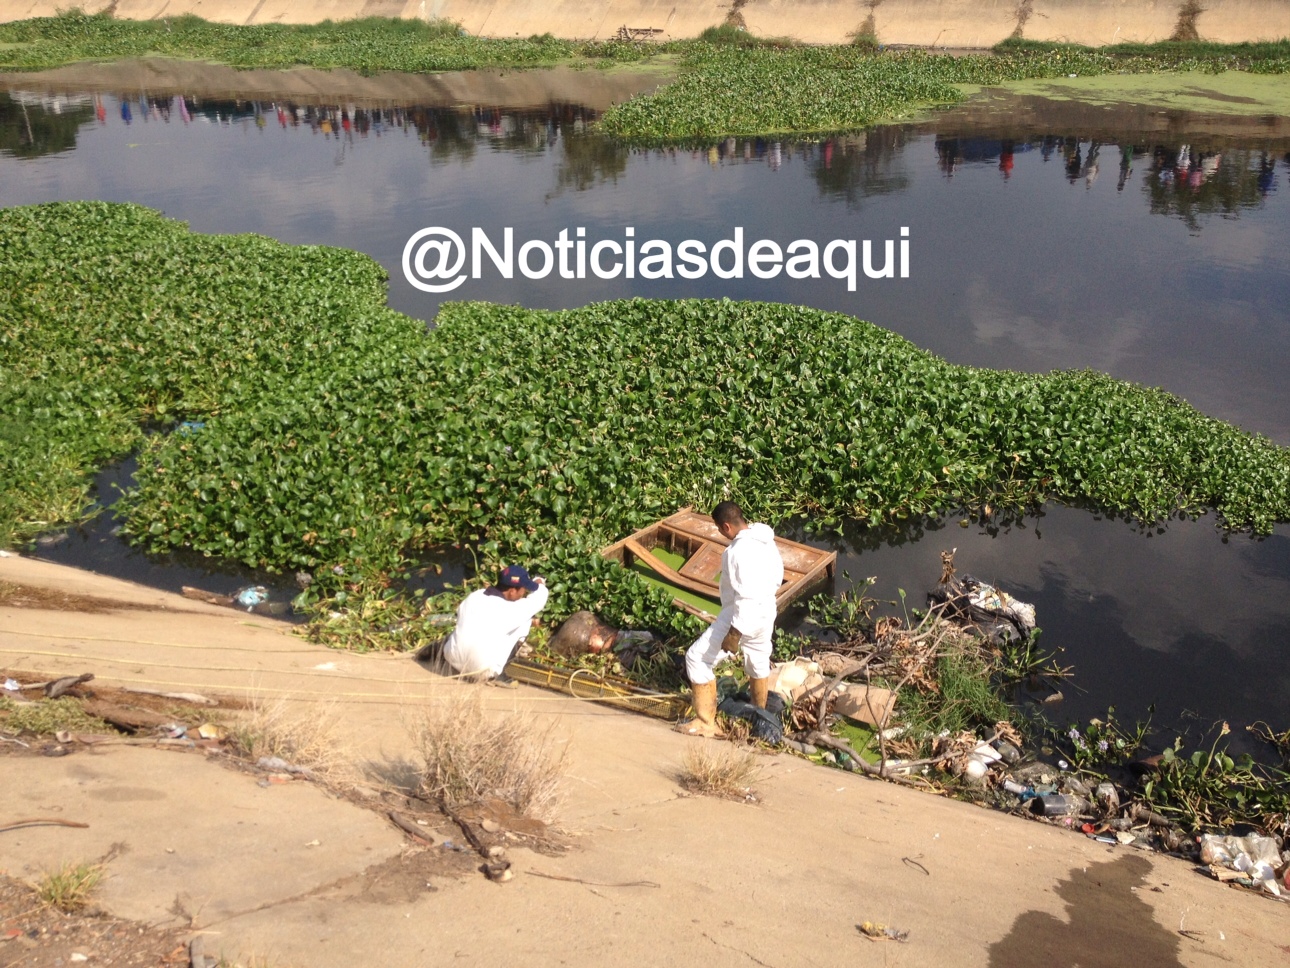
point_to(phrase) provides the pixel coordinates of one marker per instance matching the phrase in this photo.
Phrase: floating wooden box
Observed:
(694, 538)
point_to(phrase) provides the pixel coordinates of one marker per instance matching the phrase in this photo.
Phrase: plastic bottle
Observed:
(1058, 805)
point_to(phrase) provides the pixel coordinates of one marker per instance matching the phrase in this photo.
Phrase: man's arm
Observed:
(524, 610)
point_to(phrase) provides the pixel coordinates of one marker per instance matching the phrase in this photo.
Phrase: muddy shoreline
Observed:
(595, 89)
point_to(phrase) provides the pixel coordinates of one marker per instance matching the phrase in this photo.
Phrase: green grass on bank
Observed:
(338, 432)
(726, 90)
(733, 83)
(367, 46)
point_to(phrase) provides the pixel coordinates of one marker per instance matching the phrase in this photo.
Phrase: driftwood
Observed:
(57, 687)
(201, 595)
(408, 827)
(197, 699)
(123, 718)
(1144, 814)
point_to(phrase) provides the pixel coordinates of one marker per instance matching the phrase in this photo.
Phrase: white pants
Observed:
(706, 651)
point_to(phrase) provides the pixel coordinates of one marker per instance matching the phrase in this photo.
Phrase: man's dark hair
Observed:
(728, 512)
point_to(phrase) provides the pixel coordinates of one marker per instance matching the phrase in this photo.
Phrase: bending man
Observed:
(492, 621)
(751, 573)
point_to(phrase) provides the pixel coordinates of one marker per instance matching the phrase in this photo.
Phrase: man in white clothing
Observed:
(492, 621)
(751, 573)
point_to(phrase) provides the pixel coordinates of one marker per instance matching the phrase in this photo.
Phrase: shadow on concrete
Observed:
(1107, 925)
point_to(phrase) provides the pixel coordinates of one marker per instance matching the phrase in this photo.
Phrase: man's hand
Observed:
(731, 642)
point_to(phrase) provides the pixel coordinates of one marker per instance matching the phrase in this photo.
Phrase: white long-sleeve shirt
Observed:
(751, 573)
(488, 626)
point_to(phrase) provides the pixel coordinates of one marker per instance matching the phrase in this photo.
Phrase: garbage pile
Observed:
(989, 611)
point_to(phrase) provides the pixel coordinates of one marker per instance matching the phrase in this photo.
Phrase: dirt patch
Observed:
(408, 875)
(32, 934)
(15, 595)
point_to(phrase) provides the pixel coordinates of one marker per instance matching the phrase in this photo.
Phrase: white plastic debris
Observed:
(1253, 855)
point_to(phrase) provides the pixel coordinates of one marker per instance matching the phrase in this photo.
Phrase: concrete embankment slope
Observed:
(297, 877)
(944, 23)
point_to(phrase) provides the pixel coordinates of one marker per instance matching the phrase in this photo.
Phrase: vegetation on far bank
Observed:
(732, 83)
(728, 90)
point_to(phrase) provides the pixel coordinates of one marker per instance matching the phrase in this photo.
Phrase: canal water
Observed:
(1151, 245)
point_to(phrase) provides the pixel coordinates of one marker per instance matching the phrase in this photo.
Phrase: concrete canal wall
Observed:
(941, 23)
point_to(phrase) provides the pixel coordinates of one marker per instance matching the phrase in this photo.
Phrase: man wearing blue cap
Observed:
(491, 622)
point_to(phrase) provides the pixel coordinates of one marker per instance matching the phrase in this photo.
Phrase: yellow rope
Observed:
(298, 693)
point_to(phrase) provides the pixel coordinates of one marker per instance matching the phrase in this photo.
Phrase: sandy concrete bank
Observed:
(655, 877)
(952, 23)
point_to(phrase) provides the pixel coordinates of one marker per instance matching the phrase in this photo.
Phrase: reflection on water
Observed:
(1185, 181)
(1188, 183)
(1154, 254)
(32, 125)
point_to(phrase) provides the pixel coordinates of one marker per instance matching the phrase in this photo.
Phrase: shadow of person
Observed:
(1108, 925)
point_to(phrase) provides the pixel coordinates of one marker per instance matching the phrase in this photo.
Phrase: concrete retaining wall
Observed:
(943, 23)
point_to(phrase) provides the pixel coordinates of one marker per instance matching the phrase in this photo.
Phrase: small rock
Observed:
(491, 826)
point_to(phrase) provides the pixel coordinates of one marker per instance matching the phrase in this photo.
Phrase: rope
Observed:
(288, 693)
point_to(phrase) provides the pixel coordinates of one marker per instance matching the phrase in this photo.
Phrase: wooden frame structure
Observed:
(695, 538)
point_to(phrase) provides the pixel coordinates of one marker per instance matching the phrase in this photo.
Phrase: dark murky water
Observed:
(1056, 238)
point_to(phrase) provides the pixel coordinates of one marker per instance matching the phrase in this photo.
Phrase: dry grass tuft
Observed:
(719, 770)
(472, 756)
(307, 735)
(69, 888)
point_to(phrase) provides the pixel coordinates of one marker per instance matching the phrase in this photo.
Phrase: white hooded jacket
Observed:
(751, 573)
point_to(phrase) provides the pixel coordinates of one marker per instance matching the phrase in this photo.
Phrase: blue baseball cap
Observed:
(516, 576)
